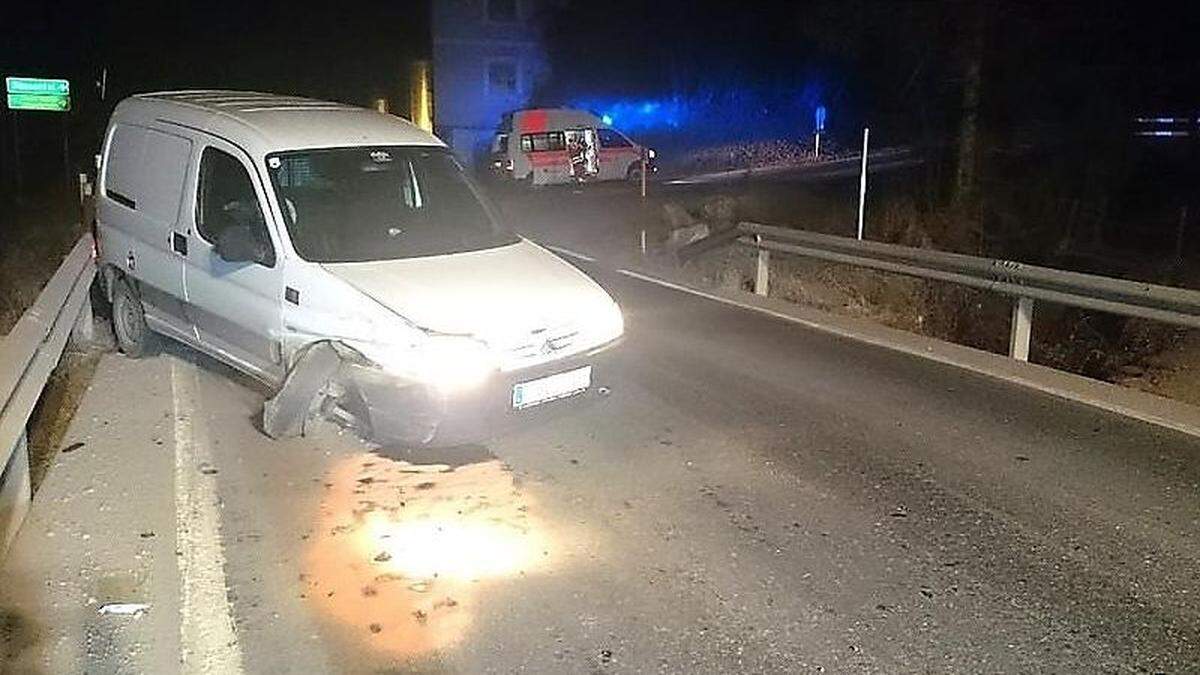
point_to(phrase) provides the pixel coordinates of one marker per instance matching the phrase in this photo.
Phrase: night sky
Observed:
(1061, 64)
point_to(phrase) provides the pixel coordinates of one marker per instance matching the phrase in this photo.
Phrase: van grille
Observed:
(539, 346)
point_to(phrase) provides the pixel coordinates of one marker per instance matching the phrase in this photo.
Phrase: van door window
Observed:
(226, 198)
(610, 138)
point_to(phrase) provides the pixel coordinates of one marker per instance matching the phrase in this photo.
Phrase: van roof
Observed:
(264, 123)
(535, 120)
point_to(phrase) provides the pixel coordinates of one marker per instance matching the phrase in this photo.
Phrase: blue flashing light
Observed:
(717, 111)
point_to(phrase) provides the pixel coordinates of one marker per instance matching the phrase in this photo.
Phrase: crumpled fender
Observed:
(285, 414)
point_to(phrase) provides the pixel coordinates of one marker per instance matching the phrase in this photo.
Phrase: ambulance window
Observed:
(610, 138)
(552, 140)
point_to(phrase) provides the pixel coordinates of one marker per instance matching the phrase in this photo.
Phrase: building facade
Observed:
(487, 61)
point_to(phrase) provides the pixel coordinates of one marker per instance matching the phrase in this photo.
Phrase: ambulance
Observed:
(545, 146)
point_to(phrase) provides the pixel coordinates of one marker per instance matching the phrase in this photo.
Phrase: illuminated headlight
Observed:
(608, 325)
(448, 362)
(453, 363)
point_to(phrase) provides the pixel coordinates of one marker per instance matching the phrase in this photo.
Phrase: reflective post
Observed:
(643, 173)
(862, 184)
(762, 277)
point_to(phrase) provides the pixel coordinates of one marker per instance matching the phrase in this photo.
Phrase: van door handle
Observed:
(179, 243)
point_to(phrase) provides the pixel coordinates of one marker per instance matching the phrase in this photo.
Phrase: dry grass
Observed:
(1143, 354)
(34, 237)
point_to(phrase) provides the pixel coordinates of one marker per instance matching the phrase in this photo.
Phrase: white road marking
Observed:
(728, 301)
(568, 252)
(207, 637)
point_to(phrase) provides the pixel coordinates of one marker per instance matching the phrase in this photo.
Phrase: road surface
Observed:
(753, 496)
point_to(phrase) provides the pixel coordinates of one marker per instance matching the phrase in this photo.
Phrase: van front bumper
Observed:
(397, 411)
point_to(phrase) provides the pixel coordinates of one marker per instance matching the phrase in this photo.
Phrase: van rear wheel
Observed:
(129, 322)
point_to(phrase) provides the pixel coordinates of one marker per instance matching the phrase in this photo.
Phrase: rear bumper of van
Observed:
(404, 413)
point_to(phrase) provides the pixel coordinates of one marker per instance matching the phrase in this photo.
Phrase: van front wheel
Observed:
(129, 322)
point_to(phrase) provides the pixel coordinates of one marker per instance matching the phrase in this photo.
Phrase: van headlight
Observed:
(608, 325)
(453, 363)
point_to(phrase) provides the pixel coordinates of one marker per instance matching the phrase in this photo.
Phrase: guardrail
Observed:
(28, 354)
(1025, 283)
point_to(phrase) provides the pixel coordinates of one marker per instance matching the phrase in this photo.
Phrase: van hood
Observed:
(497, 295)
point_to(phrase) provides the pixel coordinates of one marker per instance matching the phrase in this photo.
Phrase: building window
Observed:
(502, 77)
(502, 10)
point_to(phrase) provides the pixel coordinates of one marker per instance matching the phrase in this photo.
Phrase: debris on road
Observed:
(124, 608)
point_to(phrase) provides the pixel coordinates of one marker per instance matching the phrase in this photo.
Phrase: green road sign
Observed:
(34, 93)
(36, 85)
(51, 102)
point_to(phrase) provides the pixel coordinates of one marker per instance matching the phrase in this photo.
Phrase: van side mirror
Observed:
(237, 244)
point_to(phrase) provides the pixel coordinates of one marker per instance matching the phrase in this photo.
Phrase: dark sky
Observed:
(346, 51)
(879, 56)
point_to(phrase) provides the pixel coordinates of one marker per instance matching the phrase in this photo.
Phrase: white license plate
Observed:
(559, 385)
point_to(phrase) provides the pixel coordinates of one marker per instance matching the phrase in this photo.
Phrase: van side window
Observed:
(610, 138)
(551, 140)
(225, 198)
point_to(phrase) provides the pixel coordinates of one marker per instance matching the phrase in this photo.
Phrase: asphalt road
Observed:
(752, 496)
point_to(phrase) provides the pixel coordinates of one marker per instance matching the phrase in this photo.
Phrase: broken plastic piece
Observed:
(124, 608)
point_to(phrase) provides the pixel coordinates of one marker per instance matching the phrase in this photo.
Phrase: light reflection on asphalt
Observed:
(401, 550)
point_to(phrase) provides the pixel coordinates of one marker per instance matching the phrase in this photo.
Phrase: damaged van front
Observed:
(419, 317)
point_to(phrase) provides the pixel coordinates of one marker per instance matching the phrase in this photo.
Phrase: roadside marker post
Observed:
(762, 276)
(819, 126)
(862, 183)
(643, 182)
(643, 174)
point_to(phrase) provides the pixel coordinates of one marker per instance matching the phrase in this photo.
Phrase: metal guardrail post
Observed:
(762, 276)
(83, 332)
(14, 493)
(1022, 328)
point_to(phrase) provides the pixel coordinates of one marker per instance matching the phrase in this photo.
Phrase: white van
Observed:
(543, 146)
(325, 248)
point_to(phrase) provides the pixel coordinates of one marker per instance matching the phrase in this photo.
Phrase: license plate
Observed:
(544, 389)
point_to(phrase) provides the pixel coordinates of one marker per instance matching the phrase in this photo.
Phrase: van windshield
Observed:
(380, 203)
